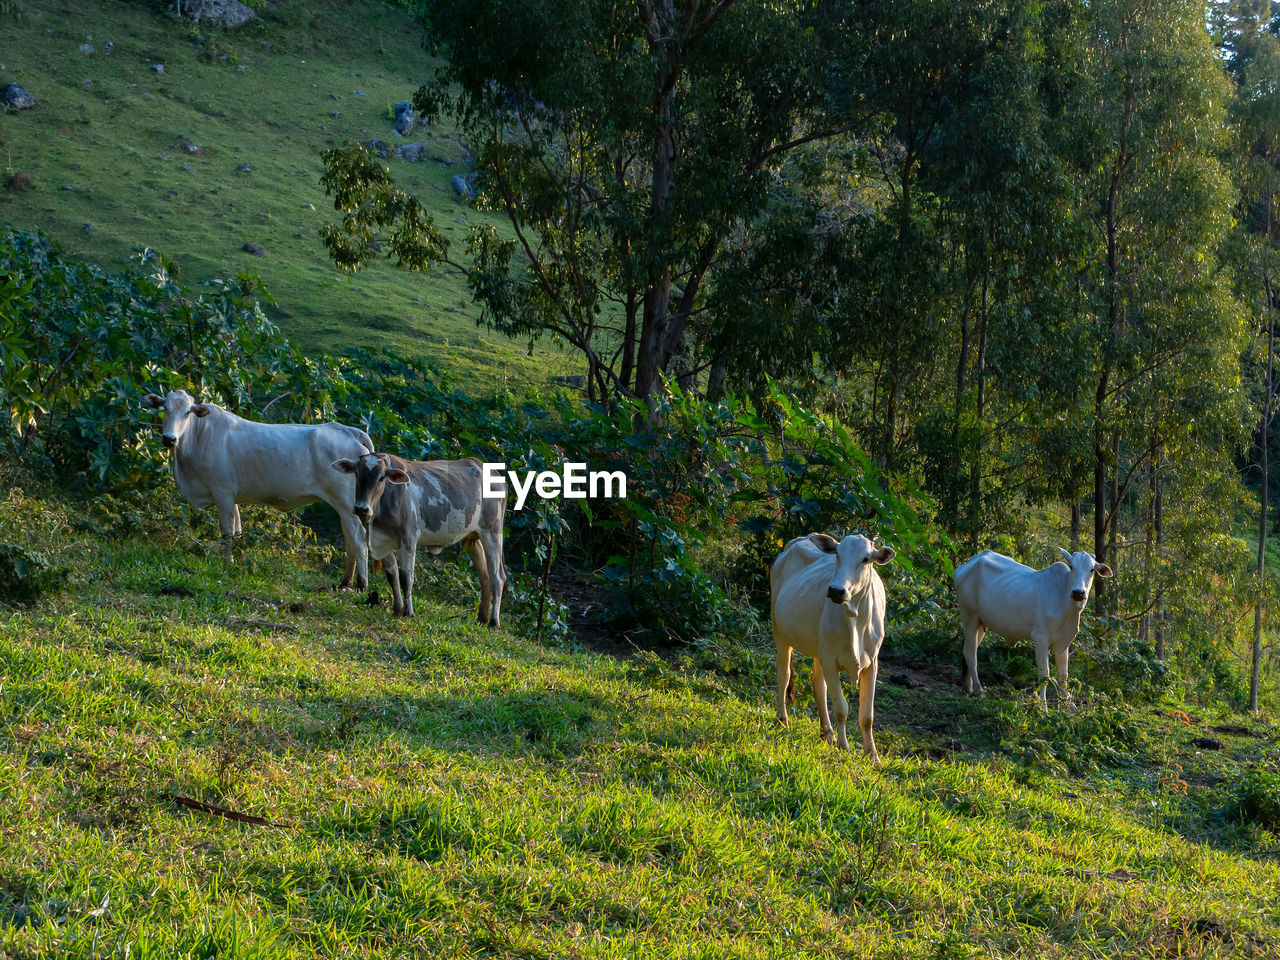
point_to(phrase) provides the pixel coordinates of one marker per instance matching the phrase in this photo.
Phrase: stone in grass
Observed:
(18, 98)
(463, 187)
(158, 67)
(413, 152)
(379, 147)
(225, 13)
(27, 575)
(1207, 743)
(86, 49)
(256, 250)
(407, 119)
(244, 167)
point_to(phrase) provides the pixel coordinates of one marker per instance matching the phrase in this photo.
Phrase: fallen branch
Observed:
(217, 811)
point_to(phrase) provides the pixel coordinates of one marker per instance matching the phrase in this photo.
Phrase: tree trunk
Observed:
(1144, 627)
(657, 291)
(1263, 497)
(979, 409)
(1159, 530)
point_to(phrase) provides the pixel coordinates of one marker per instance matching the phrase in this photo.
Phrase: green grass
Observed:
(112, 130)
(434, 788)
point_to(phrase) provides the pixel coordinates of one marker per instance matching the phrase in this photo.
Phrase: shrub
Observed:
(1257, 798)
(27, 575)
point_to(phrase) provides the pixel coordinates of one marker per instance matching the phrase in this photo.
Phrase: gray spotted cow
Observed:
(435, 504)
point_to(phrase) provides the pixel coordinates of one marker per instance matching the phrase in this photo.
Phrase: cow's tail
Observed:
(964, 666)
(791, 683)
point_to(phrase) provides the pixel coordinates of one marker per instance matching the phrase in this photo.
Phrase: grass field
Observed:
(434, 788)
(105, 150)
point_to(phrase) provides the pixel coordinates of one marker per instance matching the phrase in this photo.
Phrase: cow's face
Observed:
(179, 407)
(854, 556)
(1083, 568)
(373, 472)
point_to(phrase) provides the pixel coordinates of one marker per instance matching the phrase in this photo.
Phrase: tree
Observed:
(633, 148)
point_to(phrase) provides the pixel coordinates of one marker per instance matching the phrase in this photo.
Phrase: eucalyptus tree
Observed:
(1150, 109)
(1255, 60)
(637, 148)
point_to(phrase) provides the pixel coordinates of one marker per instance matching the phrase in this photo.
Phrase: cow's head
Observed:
(1083, 568)
(373, 472)
(854, 556)
(178, 406)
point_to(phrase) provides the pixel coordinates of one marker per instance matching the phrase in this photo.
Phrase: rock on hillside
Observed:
(225, 13)
(17, 98)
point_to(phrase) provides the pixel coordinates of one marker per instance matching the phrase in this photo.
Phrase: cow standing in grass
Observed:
(435, 504)
(221, 460)
(829, 603)
(1021, 603)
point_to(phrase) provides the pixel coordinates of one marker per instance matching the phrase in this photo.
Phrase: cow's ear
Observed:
(1102, 570)
(201, 410)
(884, 555)
(344, 466)
(396, 475)
(823, 542)
(153, 401)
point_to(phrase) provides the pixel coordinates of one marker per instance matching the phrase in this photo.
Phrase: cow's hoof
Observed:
(372, 600)
(494, 625)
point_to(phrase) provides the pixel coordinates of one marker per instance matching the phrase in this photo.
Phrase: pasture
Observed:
(430, 786)
(106, 151)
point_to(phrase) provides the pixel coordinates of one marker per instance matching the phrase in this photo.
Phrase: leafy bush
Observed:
(1124, 667)
(1257, 798)
(1079, 736)
(27, 575)
(79, 348)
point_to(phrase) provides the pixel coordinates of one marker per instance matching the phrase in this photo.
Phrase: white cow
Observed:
(1020, 603)
(222, 460)
(828, 603)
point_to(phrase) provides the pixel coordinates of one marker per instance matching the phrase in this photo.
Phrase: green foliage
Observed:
(27, 575)
(1257, 798)
(1082, 735)
(1123, 667)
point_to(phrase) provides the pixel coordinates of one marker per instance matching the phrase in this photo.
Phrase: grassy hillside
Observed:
(434, 788)
(105, 150)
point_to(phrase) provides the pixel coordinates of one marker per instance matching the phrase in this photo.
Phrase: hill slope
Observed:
(434, 788)
(105, 148)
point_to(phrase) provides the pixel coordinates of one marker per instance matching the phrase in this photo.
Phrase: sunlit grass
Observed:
(434, 787)
(104, 150)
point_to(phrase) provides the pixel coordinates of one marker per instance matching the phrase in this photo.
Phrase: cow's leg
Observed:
(1060, 657)
(819, 680)
(392, 570)
(406, 554)
(783, 663)
(1042, 666)
(867, 707)
(832, 672)
(475, 549)
(228, 522)
(973, 633)
(493, 555)
(353, 540)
